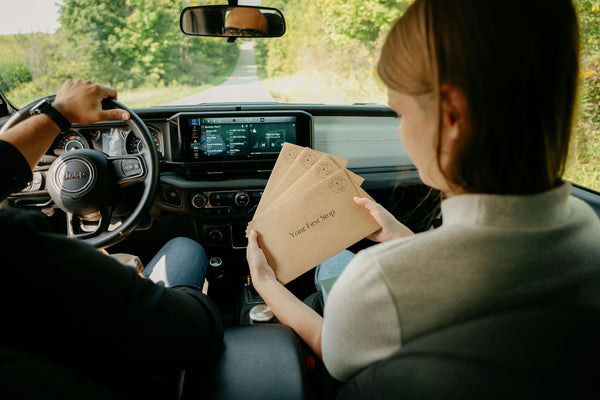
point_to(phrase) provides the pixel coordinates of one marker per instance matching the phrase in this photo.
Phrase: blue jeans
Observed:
(331, 268)
(182, 261)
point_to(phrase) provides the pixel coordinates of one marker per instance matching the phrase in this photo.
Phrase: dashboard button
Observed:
(215, 235)
(172, 196)
(130, 167)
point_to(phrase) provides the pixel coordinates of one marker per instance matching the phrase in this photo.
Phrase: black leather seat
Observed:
(536, 353)
(258, 362)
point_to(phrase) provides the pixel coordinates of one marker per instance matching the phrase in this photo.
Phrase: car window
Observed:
(327, 56)
(584, 157)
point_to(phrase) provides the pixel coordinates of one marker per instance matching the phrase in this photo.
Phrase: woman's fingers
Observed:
(260, 270)
(391, 228)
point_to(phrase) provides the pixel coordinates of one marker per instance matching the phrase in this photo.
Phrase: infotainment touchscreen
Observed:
(240, 135)
(237, 137)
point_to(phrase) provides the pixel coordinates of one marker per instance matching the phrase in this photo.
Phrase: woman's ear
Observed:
(456, 121)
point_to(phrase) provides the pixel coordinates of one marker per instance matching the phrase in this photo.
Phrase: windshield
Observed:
(327, 56)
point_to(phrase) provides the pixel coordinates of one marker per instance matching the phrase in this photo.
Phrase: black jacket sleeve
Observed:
(14, 170)
(64, 299)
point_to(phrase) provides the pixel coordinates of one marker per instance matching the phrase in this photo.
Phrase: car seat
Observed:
(537, 353)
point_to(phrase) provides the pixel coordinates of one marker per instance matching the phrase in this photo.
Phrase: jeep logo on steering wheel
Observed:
(74, 175)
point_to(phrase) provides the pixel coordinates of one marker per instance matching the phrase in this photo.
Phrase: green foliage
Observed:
(362, 21)
(122, 43)
(332, 48)
(584, 159)
(23, 59)
(134, 42)
(89, 30)
(13, 73)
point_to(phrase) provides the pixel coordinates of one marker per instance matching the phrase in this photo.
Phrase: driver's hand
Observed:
(81, 102)
(391, 228)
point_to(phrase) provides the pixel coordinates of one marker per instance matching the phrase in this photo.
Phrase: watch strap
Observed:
(46, 107)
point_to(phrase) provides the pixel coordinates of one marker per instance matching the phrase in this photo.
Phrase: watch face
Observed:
(41, 107)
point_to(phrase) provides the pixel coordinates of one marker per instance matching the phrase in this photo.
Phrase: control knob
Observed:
(199, 200)
(242, 199)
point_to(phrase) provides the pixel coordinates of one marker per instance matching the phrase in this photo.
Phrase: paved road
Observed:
(243, 85)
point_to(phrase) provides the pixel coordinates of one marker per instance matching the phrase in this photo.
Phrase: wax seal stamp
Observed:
(290, 155)
(324, 169)
(337, 184)
(308, 160)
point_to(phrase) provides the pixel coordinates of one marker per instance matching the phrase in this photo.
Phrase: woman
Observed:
(486, 92)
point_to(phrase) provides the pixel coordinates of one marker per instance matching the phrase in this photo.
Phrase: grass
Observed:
(319, 88)
(152, 96)
(144, 96)
(147, 96)
(12, 49)
(583, 165)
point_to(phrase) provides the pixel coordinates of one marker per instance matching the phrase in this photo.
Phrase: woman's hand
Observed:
(288, 309)
(260, 270)
(391, 228)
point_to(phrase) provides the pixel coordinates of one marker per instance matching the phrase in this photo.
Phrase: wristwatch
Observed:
(45, 107)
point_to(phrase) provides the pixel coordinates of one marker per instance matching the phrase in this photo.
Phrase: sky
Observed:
(41, 16)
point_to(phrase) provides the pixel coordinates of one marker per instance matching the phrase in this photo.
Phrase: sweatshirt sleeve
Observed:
(76, 294)
(361, 323)
(14, 170)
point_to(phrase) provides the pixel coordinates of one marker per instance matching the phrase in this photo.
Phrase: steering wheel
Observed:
(84, 182)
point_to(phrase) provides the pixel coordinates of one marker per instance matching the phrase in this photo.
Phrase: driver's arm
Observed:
(14, 171)
(79, 101)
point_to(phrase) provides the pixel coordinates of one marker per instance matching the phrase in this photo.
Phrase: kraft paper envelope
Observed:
(322, 169)
(313, 225)
(289, 152)
(292, 162)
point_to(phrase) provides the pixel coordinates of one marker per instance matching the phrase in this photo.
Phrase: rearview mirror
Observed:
(232, 21)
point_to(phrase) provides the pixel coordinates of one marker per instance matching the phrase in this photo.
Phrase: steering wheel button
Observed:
(130, 167)
(36, 182)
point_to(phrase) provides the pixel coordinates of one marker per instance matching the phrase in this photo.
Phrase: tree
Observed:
(90, 29)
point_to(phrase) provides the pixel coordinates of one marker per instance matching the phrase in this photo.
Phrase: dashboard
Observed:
(114, 140)
(214, 164)
(198, 139)
(215, 161)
